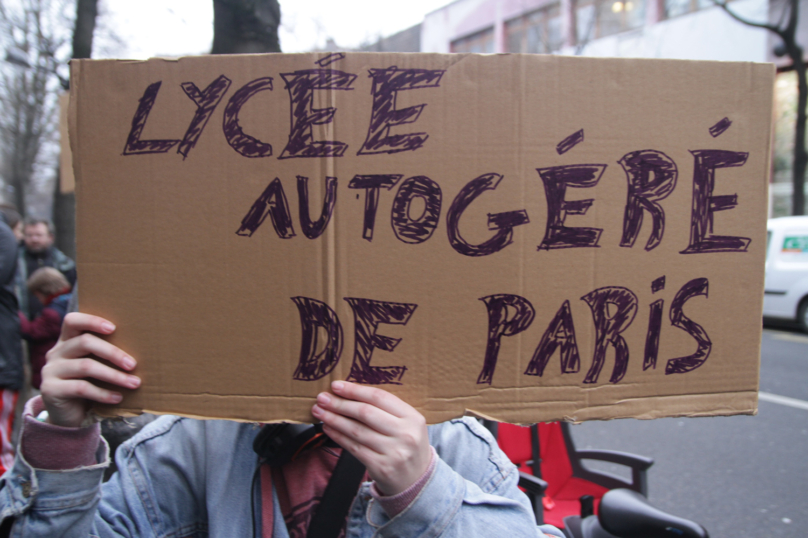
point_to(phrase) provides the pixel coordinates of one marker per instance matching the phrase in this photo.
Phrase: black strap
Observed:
(536, 450)
(338, 497)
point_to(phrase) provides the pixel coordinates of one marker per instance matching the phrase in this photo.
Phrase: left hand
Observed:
(383, 432)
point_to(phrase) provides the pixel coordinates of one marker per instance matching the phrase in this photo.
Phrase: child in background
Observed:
(42, 332)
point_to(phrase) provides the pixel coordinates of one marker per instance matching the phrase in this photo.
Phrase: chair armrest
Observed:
(638, 464)
(534, 489)
(612, 456)
(532, 484)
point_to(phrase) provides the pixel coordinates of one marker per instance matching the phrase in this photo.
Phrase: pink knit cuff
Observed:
(395, 504)
(56, 448)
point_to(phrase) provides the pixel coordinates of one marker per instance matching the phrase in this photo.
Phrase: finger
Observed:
(376, 397)
(89, 344)
(355, 431)
(90, 369)
(363, 453)
(76, 323)
(368, 414)
(72, 389)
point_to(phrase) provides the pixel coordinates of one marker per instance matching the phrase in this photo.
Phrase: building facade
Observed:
(674, 29)
(681, 29)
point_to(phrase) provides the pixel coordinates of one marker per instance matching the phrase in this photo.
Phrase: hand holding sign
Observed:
(386, 434)
(66, 389)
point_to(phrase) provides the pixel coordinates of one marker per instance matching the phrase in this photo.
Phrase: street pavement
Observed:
(741, 476)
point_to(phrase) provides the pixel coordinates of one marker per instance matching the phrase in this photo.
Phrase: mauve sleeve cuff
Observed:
(395, 504)
(56, 448)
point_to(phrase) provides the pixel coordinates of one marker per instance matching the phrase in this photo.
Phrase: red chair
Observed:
(548, 452)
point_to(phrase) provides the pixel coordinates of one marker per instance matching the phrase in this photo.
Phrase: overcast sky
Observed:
(147, 28)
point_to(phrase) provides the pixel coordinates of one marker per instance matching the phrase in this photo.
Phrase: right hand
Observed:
(66, 389)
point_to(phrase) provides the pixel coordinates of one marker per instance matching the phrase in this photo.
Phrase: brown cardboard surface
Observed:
(463, 267)
(67, 182)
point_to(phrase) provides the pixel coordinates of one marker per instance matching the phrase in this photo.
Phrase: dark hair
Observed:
(32, 221)
(11, 214)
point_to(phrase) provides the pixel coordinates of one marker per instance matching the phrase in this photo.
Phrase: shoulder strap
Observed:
(338, 497)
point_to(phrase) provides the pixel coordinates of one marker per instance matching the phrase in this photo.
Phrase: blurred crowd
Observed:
(36, 291)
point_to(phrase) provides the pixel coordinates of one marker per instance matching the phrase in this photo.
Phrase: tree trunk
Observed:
(245, 26)
(18, 184)
(86, 13)
(800, 155)
(64, 204)
(795, 51)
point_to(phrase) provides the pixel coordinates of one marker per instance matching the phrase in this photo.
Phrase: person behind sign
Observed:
(39, 251)
(52, 290)
(14, 220)
(11, 359)
(185, 477)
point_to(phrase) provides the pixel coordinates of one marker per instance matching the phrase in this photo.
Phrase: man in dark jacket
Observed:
(11, 366)
(38, 251)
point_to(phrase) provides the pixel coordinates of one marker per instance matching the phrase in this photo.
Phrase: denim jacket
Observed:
(181, 478)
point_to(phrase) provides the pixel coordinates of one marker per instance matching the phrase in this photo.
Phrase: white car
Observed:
(786, 289)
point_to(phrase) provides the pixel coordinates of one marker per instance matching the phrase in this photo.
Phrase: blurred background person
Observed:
(37, 252)
(14, 220)
(52, 290)
(11, 360)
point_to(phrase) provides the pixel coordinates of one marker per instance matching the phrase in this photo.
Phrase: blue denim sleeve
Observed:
(168, 475)
(472, 493)
(52, 503)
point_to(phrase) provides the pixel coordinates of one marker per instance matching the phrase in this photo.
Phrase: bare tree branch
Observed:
(788, 35)
(764, 25)
(36, 31)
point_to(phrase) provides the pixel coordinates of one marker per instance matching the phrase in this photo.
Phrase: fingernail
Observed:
(115, 397)
(337, 385)
(316, 410)
(129, 363)
(324, 398)
(107, 326)
(134, 381)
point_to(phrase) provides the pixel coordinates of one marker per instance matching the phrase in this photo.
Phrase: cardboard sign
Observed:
(521, 237)
(67, 182)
